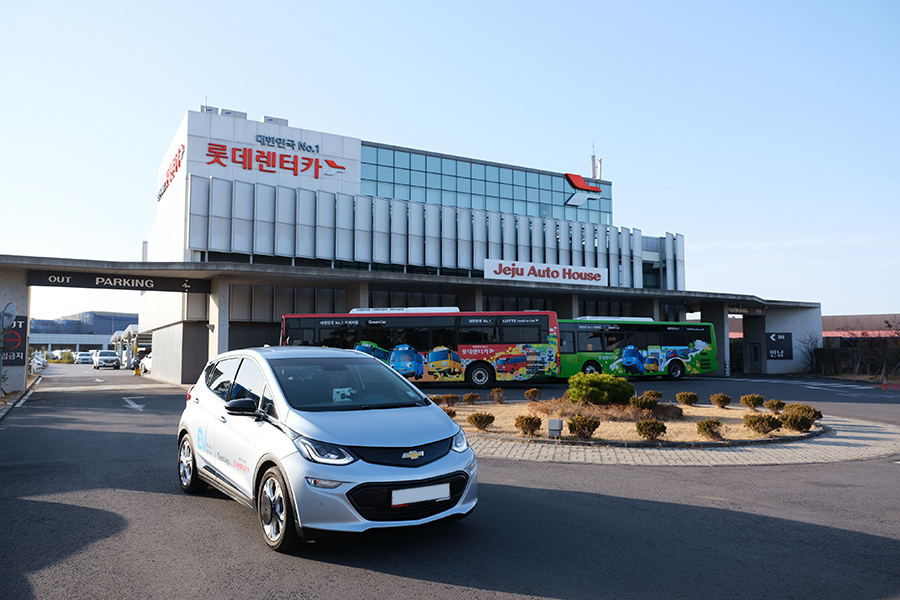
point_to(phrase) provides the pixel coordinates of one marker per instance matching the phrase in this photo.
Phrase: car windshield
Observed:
(107, 353)
(334, 384)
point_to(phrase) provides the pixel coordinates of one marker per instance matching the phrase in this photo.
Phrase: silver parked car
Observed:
(323, 440)
(84, 358)
(106, 358)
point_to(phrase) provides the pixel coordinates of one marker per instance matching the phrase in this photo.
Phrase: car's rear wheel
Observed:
(275, 512)
(187, 468)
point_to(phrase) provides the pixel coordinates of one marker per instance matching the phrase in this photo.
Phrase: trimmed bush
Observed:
(802, 409)
(761, 423)
(481, 421)
(451, 399)
(776, 406)
(497, 395)
(652, 394)
(752, 401)
(668, 412)
(450, 412)
(599, 388)
(437, 399)
(709, 428)
(796, 422)
(720, 400)
(643, 402)
(528, 425)
(583, 427)
(471, 398)
(687, 398)
(533, 395)
(651, 429)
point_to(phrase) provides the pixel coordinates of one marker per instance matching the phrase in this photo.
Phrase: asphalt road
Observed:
(91, 508)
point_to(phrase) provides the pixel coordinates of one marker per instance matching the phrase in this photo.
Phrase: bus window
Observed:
(443, 332)
(618, 339)
(469, 334)
(590, 341)
(567, 342)
(338, 337)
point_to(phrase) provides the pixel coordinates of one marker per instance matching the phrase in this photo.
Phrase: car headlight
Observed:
(323, 452)
(460, 443)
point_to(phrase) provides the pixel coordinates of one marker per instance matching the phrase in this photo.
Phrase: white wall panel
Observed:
(509, 237)
(417, 234)
(464, 238)
(479, 239)
(241, 303)
(537, 239)
(325, 222)
(264, 222)
(495, 236)
(285, 219)
(219, 234)
(523, 237)
(221, 198)
(637, 259)
(198, 217)
(362, 223)
(565, 243)
(306, 224)
(284, 301)
(448, 237)
(263, 303)
(399, 232)
(551, 242)
(577, 230)
(614, 256)
(602, 248)
(381, 231)
(344, 227)
(625, 254)
(590, 245)
(432, 235)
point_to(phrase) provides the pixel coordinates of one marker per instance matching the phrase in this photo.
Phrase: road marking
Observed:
(99, 380)
(24, 398)
(131, 403)
(83, 388)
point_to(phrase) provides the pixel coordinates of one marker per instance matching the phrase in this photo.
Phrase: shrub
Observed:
(599, 388)
(651, 429)
(528, 425)
(687, 398)
(668, 412)
(583, 427)
(762, 424)
(451, 399)
(481, 421)
(804, 410)
(644, 402)
(533, 395)
(709, 428)
(776, 406)
(652, 394)
(720, 400)
(471, 398)
(450, 412)
(796, 422)
(437, 399)
(497, 395)
(752, 401)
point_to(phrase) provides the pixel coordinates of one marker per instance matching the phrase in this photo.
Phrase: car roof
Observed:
(313, 352)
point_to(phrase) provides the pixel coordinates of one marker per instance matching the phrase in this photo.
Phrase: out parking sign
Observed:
(14, 350)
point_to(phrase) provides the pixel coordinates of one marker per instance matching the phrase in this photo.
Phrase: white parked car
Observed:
(322, 439)
(84, 358)
(107, 358)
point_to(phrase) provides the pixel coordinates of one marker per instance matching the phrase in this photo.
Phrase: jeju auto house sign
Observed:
(543, 273)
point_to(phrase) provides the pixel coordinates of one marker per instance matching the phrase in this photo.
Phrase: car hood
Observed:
(386, 428)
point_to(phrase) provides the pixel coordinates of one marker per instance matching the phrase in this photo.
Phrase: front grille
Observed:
(373, 500)
(393, 457)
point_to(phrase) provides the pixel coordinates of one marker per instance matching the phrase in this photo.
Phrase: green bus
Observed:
(636, 347)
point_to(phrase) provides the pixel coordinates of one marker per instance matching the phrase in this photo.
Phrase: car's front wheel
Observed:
(275, 512)
(187, 467)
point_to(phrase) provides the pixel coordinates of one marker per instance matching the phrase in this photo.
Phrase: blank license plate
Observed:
(420, 494)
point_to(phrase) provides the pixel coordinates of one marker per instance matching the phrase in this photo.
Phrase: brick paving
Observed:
(843, 440)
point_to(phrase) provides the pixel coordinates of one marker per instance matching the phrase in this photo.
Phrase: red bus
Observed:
(479, 339)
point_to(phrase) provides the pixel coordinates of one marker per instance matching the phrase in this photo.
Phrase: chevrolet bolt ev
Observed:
(322, 440)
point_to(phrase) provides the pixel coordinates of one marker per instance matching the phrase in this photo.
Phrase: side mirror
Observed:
(241, 406)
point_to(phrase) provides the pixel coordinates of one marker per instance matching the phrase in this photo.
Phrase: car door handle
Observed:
(221, 418)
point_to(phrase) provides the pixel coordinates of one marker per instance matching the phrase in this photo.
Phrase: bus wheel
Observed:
(676, 370)
(480, 375)
(591, 367)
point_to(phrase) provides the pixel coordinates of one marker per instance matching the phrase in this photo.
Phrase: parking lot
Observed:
(92, 509)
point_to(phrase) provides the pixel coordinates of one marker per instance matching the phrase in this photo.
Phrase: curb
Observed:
(18, 397)
(819, 430)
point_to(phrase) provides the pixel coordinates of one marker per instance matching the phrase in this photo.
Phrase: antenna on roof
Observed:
(596, 164)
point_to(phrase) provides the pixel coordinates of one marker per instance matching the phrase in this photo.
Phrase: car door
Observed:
(209, 402)
(236, 436)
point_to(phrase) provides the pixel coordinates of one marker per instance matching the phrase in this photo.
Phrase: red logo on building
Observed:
(583, 191)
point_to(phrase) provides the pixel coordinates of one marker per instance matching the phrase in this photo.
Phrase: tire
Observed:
(480, 375)
(675, 370)
(187, 467)
(591, 366)
(276, 518)
(143, 370)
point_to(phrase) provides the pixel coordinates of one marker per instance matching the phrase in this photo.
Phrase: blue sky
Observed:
(765, 132)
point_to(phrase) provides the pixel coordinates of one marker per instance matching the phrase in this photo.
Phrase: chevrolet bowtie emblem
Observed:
(413, 455)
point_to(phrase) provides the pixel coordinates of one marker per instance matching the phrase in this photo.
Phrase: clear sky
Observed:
(766, 132)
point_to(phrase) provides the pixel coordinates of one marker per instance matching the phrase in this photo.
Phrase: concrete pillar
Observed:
(13, 288)
(471, 299)
(566, 306)
(717, 314)
(219, 313)
(357, 295)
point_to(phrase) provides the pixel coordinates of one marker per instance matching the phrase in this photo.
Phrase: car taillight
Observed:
(189, 394)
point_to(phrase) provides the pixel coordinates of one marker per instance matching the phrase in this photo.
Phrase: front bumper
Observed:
(363, 500)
